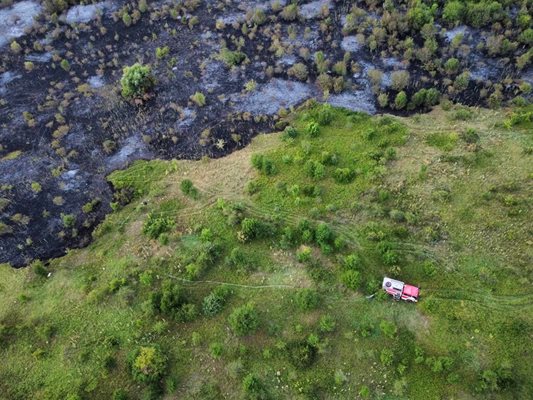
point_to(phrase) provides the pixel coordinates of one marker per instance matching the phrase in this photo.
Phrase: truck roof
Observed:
(389, 283)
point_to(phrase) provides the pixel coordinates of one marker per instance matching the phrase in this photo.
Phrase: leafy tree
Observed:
(137, 80)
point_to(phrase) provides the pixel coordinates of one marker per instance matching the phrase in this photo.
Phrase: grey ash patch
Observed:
(351, 44)
(15, 20)
(85, 13)
(313, 9)
(133, 148)
(270, 97)
(5, 79)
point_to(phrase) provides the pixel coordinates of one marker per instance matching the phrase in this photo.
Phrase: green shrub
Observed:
(352, 262)
(453, 12)
(91, 205)
(263, 164)
(301, 354)
(68, 220)
(314, 169)
(162, 52)
(231, 58)
(327, 323)
(187, 188)
(386, 357)
(148, 364)
(344, 175)
(351, 278)
(244, 320)
(199, 99)
(324, 236)
(39, 269)
(252, 228)
(307, 299)
(313, 129)
(65, 64)
(299, 71)
(290, 132)
(325, 115)
(304, 254)
(215, 301)
(400, 101)
(290, 12)
(157, 224)
(253, 388)
(389, 329)
(137, 80)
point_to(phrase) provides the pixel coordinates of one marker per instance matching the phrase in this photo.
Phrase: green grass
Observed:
(455, 223)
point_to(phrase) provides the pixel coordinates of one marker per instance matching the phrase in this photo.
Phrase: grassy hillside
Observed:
(247, 276)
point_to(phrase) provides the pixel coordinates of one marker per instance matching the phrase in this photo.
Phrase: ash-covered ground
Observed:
(64, 125)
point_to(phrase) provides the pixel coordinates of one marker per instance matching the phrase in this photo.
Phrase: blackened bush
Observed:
(344, 175)
(307, 299)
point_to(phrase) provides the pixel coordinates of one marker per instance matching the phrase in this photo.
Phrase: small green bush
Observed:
(162, 52)
(199, 99)
(263, 164)
(244, 320)
(313, 129)
(252, 228)
(215, 301)
(307, 299)
(188, 189)
(157, 224)
(344, 175)
(137, 80)
(253, 388)
(389, 329)
(148, 364)
(351, 278)
(231, 58)
(301, 354)
(327, 323)
(400, 101)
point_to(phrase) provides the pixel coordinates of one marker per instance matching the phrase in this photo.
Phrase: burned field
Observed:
(224, 72)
